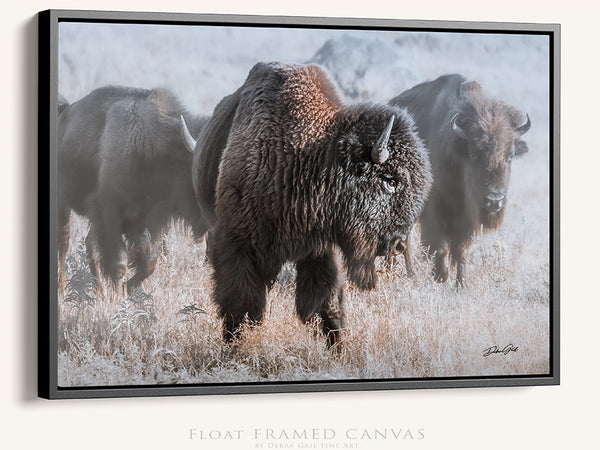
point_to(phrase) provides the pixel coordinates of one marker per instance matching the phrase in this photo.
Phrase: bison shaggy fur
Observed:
(285, 171)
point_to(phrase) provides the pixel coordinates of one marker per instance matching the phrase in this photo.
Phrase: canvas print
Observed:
(247, 204)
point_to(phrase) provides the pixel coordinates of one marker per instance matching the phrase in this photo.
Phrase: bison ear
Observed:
(521, 147)
(346, 150)
(348, 143)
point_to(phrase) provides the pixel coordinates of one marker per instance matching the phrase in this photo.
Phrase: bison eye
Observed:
(390, 184)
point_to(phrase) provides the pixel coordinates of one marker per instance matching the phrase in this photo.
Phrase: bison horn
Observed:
(380, 152)
(456, 129)
(188, 140)
(525, 127)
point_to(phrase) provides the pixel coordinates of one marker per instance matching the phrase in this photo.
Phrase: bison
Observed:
(471, 139)
(123, 164)
(284, 171)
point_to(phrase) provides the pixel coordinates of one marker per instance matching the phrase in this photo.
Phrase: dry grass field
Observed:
(169, 331)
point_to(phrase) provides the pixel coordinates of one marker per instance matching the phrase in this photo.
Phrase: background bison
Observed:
(471, 140)
(286, 171)
(123, 164)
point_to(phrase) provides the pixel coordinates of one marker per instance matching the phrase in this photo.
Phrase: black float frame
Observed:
(47, 207)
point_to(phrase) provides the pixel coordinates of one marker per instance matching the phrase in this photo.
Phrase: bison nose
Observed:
(399, 245)
(494, 202)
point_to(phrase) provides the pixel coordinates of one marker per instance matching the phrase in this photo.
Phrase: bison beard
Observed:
(285, 172)
(472, 140)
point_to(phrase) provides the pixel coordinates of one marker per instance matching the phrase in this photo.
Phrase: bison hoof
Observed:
(131, 287)
(228, 336)
(117, 272)
(441, 276)
(231, 331)
(334, 341)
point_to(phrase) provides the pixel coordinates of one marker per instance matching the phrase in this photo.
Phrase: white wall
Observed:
(535, 418)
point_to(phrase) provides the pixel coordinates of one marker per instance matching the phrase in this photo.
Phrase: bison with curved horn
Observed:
(284, 171)
(123, 164)
(472, 140)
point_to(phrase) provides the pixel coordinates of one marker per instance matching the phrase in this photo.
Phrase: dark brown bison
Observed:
(471, 140)
(123, 164)
(286, 172)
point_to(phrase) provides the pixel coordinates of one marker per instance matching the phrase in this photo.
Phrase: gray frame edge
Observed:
(47, 265)
(47, 126)
(555, 201)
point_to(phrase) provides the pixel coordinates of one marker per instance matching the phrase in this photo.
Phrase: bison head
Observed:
(487, 137)
(383, 178)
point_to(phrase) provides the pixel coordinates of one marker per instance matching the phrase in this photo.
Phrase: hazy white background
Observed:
(533, 418)
(204, 64)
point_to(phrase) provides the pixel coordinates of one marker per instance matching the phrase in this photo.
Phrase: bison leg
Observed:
(91, 247)
(209, 245)
(458, 257)
(108, 236)
(143, 259)
(440, 266)
(240, 288)
(199, 229)
(64, 233)
(319, 292)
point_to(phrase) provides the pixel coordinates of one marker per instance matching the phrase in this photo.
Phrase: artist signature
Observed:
(505, 351)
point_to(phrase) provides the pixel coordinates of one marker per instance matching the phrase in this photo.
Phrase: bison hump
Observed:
(292, 104)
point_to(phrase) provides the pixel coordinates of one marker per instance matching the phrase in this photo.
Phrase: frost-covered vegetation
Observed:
(169, 332)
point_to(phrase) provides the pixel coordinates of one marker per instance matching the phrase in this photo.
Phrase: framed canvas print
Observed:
(250, 204)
